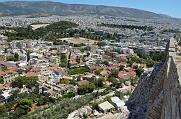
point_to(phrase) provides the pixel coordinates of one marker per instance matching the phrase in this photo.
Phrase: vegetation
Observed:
(148, 61)
(105, 62)
(134, 81)
(2, 110)
(119, 94)
(61, 109)
(99, 83)
(89, 88)
(13, 58)
(1, 80)
(29, 82)
(48, 32)
(23, 107)
(171, 31)
(55, 31)
(4, 68)
(79, 70)
(139, 71)
(69, 95)
(63, 60)
(42, 100)
(144, 28)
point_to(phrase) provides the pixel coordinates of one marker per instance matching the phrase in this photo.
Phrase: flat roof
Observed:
(106, 105)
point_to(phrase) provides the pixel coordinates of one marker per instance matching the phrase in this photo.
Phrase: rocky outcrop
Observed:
(158, 94)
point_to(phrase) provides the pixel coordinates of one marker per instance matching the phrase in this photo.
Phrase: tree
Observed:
(94, 105)
(119, 94)
(114, 74)
(79, 70)
(88, 88)
(28, 56)
(97, 72)
(149, 62)
(134, 81)
(100, 44)
(121, 68)
(63, 56)
(99, 83)
(139, 71)
(64, 81)
(23, 107)
(105, 62)
(2, 110)
(63, 60)
(42, 101)
(13, 58)
(69, 95)
(16, 56)
(29, 82)
(78, 60)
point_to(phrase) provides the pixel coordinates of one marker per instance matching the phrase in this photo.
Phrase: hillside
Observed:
(57, 8)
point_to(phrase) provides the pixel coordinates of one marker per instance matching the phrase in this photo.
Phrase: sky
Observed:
(168, 7)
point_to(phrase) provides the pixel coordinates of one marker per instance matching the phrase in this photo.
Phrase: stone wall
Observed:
(158, 94)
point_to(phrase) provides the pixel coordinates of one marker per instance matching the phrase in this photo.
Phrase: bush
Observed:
(42, 101)
(119, 94)
(94, 105)
(69, 95)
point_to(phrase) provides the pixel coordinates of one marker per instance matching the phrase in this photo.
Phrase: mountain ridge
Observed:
(59, 8)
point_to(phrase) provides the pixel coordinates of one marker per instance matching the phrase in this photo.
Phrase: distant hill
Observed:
(57, 8)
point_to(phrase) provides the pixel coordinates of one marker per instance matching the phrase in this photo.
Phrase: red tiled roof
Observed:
(123, 75)
(105, 73)
(127, 74)
(128, 69)
(29, 74)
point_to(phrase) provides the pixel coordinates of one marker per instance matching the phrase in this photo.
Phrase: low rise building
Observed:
(106, 107)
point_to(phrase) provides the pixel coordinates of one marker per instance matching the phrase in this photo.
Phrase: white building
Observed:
(106, 107)
(118, 103)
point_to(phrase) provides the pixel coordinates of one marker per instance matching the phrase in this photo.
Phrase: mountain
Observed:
(57, 8)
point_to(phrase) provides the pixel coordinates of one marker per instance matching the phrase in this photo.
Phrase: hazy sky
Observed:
(169, 7)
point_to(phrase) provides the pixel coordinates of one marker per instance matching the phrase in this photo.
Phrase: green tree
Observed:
(29, 82)
(89, 88)
(42, 101)
(119, 94)
(99, 83)
(134, 81)
(16, 56)
(79, 70)
(139, 71)
(105, 62)
(69, 95)
(1, 80)
(23, 107)
(2, 110)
